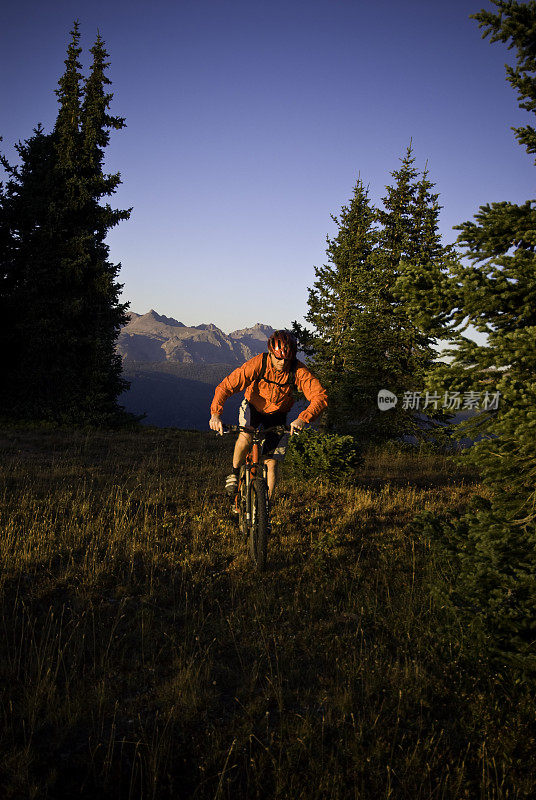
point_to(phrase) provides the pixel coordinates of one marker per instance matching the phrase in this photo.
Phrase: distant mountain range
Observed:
(173, 369)
(154, 338)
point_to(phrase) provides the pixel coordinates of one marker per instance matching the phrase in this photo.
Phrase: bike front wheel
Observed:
(258, 533)
(242, 502)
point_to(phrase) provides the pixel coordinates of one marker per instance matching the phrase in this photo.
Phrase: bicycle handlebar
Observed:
(244, 428)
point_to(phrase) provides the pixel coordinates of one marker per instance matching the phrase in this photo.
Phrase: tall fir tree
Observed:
(339, 304)
(412, 255)
(370, 332)
(425, 267)
(29, 279)
(69, 93)
(494, 544)
(59, 290)
(104, 314)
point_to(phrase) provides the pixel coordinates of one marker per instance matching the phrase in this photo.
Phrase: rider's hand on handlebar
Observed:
(297, 425)
(216, 424)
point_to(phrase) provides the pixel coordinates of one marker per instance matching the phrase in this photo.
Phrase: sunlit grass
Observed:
(141, 656)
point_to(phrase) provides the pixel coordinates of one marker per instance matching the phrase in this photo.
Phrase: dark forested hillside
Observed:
(176, 395)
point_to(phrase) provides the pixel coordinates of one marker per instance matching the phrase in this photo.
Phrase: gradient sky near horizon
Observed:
(249, 121)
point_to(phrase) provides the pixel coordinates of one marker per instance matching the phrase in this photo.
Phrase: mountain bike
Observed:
(251, 503)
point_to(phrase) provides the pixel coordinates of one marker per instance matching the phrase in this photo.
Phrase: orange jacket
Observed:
(267, 397)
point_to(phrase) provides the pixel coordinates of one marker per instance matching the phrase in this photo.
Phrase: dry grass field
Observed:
(142, 657)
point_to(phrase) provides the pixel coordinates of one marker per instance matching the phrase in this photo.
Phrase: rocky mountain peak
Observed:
(152, 315)
(258, 332)
(153, 338)
(207, 327)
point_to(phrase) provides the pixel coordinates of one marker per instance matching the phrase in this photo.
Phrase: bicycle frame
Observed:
(253, 462)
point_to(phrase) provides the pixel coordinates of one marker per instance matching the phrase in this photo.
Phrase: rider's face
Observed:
(278, 363)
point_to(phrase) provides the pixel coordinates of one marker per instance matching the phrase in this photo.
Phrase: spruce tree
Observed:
(104, 314)
(413, 259)
(59, 291)
(339, 307)
(425, 267)
(494, 544)
(366, 306)
(30, 323)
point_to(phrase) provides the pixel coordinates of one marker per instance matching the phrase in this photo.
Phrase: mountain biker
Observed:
(268, 381)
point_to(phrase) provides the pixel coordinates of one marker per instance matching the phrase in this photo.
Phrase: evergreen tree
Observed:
(103, 313)
(29, 280)
(425, 267)
(339, 304)
(67, 127)
(366, 308)
(59, 291)
(414, 259)
(494, 545)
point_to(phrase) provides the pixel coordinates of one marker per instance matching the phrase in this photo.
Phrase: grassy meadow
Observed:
(142, 657)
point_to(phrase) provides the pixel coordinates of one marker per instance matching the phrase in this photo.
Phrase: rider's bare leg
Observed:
(273, 470)
(242, 446)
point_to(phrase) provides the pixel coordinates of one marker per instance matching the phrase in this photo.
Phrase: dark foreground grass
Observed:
(141, 657)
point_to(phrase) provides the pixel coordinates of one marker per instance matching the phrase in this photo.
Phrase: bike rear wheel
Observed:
(258, 532)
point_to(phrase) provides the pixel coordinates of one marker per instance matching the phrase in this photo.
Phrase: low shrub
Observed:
(323, 455)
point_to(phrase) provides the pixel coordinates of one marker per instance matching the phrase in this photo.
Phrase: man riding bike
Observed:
(268, 380)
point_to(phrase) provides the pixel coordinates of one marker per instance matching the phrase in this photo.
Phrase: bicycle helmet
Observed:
(283, 345)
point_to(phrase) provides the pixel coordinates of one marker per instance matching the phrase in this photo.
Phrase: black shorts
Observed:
(275, 444)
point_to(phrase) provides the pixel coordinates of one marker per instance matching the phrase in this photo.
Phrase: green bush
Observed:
(488, 582)
(323, 455)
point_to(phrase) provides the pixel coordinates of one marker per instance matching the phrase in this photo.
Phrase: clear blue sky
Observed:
(249, 122)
